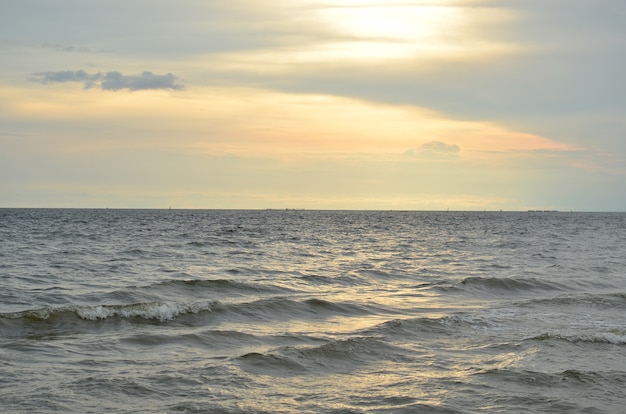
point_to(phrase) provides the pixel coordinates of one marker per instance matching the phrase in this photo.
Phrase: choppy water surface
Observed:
(311, 311)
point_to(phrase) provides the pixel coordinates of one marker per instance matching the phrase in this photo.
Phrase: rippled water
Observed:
(311, 311)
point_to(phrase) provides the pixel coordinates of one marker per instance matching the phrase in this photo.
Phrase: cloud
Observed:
(65, 76)
(71, 48)
(434, 150)
(10, 135)
(111, 81)
(146, 80)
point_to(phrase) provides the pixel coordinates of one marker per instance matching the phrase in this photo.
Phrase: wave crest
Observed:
(614, 338)
(159, 311)
(151, 311)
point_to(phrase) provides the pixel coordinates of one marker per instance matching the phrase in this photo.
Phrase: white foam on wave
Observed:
(615, 338)
(156, 310)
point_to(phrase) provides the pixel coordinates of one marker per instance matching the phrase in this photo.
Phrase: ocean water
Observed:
(204, 311)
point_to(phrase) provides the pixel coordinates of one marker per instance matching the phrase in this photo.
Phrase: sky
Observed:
(316, 104)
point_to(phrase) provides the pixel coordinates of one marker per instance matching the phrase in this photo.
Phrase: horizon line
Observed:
(317, 209)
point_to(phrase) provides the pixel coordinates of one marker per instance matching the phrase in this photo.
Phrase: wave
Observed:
(520, 376)
(342, 355)
(178, 290)
(616, 337)
(216, 285)
(505, 285)
(362, 348)
(419, 327)
(594, 378)
(150, 311)
(599, 301)
(556, 379)
(214, 343)
(51, 320)
(158, 311)
(270, 364)
(272, 309)
(343, 280)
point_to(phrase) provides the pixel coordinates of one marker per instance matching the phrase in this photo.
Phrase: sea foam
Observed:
(156, 310)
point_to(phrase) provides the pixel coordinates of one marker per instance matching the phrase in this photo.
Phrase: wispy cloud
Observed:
(4, 134)
(112, 81)
(71, 48)
(434, 150)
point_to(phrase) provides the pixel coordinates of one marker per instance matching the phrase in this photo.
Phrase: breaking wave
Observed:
(150, 311)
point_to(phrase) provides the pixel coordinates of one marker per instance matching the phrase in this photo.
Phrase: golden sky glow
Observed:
(376, 32)
(277, 125)
(312, 103)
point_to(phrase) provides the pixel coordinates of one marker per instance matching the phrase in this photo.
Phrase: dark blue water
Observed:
(311, 311)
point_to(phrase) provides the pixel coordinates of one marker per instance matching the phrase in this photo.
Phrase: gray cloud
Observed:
(146, 80)
(111, 81)
(64, 76)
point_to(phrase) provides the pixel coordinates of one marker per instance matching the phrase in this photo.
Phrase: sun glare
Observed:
(399, 23)
(341, 33)
(400, 29)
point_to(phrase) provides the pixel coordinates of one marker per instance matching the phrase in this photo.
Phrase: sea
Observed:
(302, 311)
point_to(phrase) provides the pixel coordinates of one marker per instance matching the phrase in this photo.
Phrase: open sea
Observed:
(287, 311)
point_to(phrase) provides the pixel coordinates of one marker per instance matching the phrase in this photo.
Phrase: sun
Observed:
(390, 29)
(392, 22)
(391, 35)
